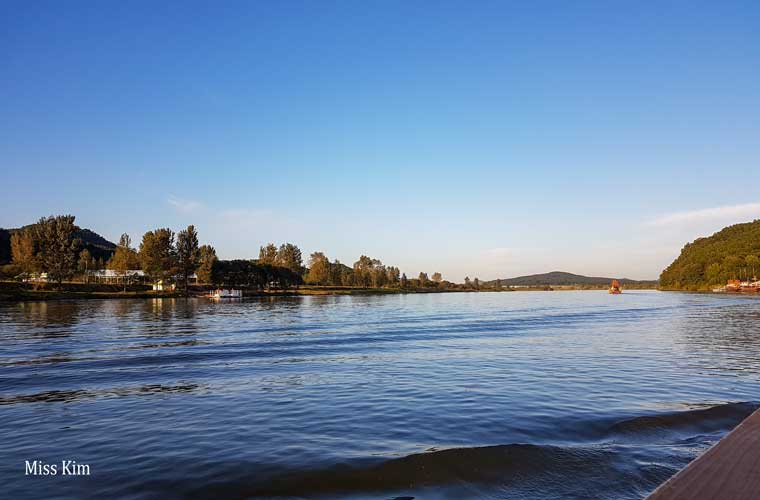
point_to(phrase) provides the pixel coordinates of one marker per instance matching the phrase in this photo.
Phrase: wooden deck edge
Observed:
(729, 470)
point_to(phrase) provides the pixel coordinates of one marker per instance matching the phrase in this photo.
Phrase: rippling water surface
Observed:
(477, 395)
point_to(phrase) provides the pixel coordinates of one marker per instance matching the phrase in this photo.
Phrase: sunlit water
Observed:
(472, 395)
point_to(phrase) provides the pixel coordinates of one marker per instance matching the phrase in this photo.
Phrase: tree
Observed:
(347, 276)
(732, 265)
(437, 277)
(58, 248)
(378, 274)
(268, 254)
(467, 283)
(753, 261)
(158, 256)
(188, 254)
(712, 273)
(85, 261)
(393, 275)
(336, 273)
(498, 284)
(423, 279)
(363, 271)
(476, 283)
(124, 259)
(206, 260)
(289, 256)
(404, 281)
(24, 251)
(319, 269)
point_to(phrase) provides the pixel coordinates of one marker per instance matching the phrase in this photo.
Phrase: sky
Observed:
(487, 139)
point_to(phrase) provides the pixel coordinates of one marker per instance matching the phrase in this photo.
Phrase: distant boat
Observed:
(615, 287)
(226, 294)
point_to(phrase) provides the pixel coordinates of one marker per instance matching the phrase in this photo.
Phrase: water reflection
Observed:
(51, 314)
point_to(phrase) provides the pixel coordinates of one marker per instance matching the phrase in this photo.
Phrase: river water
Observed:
(430, 396)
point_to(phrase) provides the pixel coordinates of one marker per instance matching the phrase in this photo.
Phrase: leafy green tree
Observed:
(58, 249)
(336, 272)
(753, 261)
(124, 259)
(188, 254)
(85, 261)
(363, 271)
(319, 269)
(158, 255)
(712, 273)
(423, 278)
(378, 274)
(289, 257)
(393, 275)
(24, 251)
(268, 254)
(206, 260)
(253, 274)
(733, 265)
(347, 276)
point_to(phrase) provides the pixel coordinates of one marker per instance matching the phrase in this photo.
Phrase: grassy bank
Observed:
(15, 291)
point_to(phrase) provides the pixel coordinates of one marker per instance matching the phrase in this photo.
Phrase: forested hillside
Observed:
(560, 278)
(732, 253)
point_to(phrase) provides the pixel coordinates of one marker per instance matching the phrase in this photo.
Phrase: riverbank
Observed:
(17, 292)
(11, 291)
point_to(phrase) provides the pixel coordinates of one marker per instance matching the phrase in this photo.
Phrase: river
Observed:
(426, 396)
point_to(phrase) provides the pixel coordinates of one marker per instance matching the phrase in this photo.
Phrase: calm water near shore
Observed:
(490, 395)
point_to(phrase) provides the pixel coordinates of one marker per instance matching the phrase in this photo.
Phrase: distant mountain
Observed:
(99, 247)
(560, 278)
(731, 253)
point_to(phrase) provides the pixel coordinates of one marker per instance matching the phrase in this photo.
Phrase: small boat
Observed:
(615, 287)
(230, 293)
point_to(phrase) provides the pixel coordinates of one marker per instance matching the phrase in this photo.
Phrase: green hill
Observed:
(560, 278)
(732, 253)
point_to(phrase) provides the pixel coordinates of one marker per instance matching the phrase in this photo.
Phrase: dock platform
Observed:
(729, 470)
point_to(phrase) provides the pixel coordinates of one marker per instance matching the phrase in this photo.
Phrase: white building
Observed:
(113, 277)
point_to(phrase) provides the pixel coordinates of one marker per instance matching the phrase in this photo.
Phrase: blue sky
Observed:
(485, 139)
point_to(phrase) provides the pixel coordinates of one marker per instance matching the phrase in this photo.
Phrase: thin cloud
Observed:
(733, 212)
(182, 205)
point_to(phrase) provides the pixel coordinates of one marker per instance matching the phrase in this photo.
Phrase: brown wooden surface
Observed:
(730, 470)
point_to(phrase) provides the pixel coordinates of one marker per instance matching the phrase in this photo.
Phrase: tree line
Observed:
(50, 246)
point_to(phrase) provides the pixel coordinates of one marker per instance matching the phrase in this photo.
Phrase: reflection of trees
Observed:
(169, 316)
(47, 318)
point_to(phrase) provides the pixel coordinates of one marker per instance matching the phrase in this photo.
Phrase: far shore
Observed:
(19, 292)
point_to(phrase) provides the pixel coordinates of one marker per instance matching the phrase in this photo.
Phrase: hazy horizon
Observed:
(490, 140)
